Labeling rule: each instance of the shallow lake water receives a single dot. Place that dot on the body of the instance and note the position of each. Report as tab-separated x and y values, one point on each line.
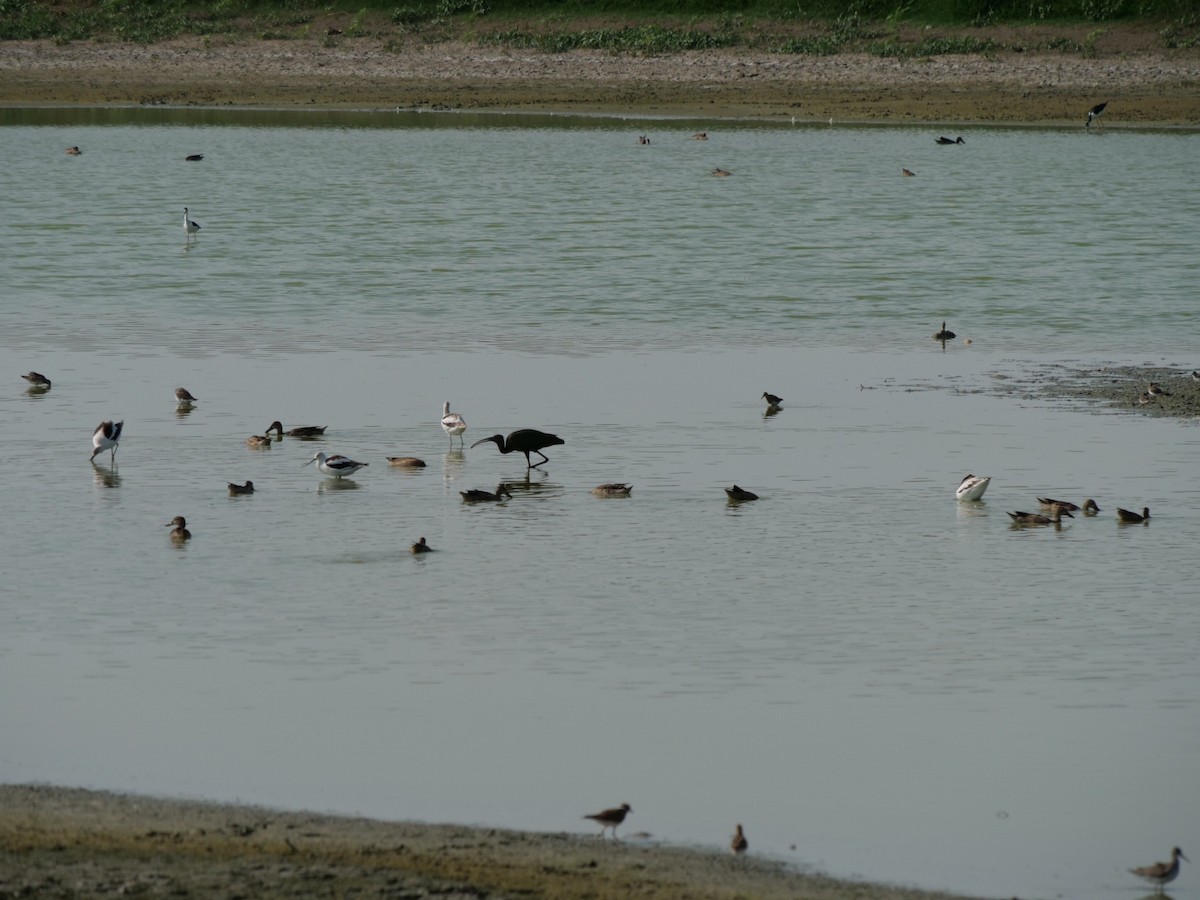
877	681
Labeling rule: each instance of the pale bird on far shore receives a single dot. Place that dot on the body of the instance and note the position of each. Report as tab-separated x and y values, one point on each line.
1162	873
738	844
611	818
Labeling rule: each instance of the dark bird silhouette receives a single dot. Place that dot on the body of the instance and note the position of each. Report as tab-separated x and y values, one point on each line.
1126	516
194	157
946	140
478	496
611	818
421	547
300	431
106	437
37	379
771	399
1024	518
945	334
236	489
1095	113
739	495
738	844
524	440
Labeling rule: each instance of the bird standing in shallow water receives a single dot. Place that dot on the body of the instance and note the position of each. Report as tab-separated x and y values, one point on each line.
1094	114
179	532
1162	873
945	334
37	379
739	845
183	395
105	437
189	227
452	423
238	489
611	818
1133	518
524	440
421	547
338	466
772	400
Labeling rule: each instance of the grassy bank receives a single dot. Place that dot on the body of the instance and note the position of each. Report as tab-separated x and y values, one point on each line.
912	28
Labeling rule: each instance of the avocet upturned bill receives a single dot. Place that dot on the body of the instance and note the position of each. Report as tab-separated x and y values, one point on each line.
105	437
336	465
972	487
453	423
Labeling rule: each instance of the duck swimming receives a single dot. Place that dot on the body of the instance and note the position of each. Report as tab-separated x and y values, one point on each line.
300	431
613	489
1069	507
739	495
421	547
179	532
1024	518
945	334
238	489
1125	515
478	496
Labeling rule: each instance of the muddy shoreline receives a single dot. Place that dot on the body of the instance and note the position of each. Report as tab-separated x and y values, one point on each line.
65	842
1144	87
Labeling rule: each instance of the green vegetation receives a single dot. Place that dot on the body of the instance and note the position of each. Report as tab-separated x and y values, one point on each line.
882	27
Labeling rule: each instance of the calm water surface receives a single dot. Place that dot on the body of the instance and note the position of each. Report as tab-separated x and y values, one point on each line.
877	681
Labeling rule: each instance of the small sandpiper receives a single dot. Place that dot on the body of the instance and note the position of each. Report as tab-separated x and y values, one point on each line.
611	818
1162	873
37	379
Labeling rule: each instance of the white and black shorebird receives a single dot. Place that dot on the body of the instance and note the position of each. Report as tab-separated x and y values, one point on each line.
189	227
105	437
338	466
1161	873
611	818
1095	113
453	423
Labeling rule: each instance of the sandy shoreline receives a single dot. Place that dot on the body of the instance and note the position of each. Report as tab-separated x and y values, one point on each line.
1143	86
66	842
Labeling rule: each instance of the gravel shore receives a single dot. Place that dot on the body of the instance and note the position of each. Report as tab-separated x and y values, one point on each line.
64	842
1143	85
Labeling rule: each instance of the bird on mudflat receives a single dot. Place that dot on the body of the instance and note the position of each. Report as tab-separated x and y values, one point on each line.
37	379
1195	375
1024	518
477	496
972	487
300	431
524	440
179	532
421	547
739	495
183	395
1094	114
238	489
452	423
738	844
337	465
945	334
1162	873
1133	518
611	818
189	227
946	140
105	437
771	399
1155	390
613	489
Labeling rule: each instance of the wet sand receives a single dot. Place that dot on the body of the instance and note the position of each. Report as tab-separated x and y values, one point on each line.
1143	83
64	842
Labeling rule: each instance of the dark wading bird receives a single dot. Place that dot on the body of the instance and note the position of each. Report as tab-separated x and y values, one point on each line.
37	379
477	496
1162	873
771	399
1094	114
611	818
524	440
